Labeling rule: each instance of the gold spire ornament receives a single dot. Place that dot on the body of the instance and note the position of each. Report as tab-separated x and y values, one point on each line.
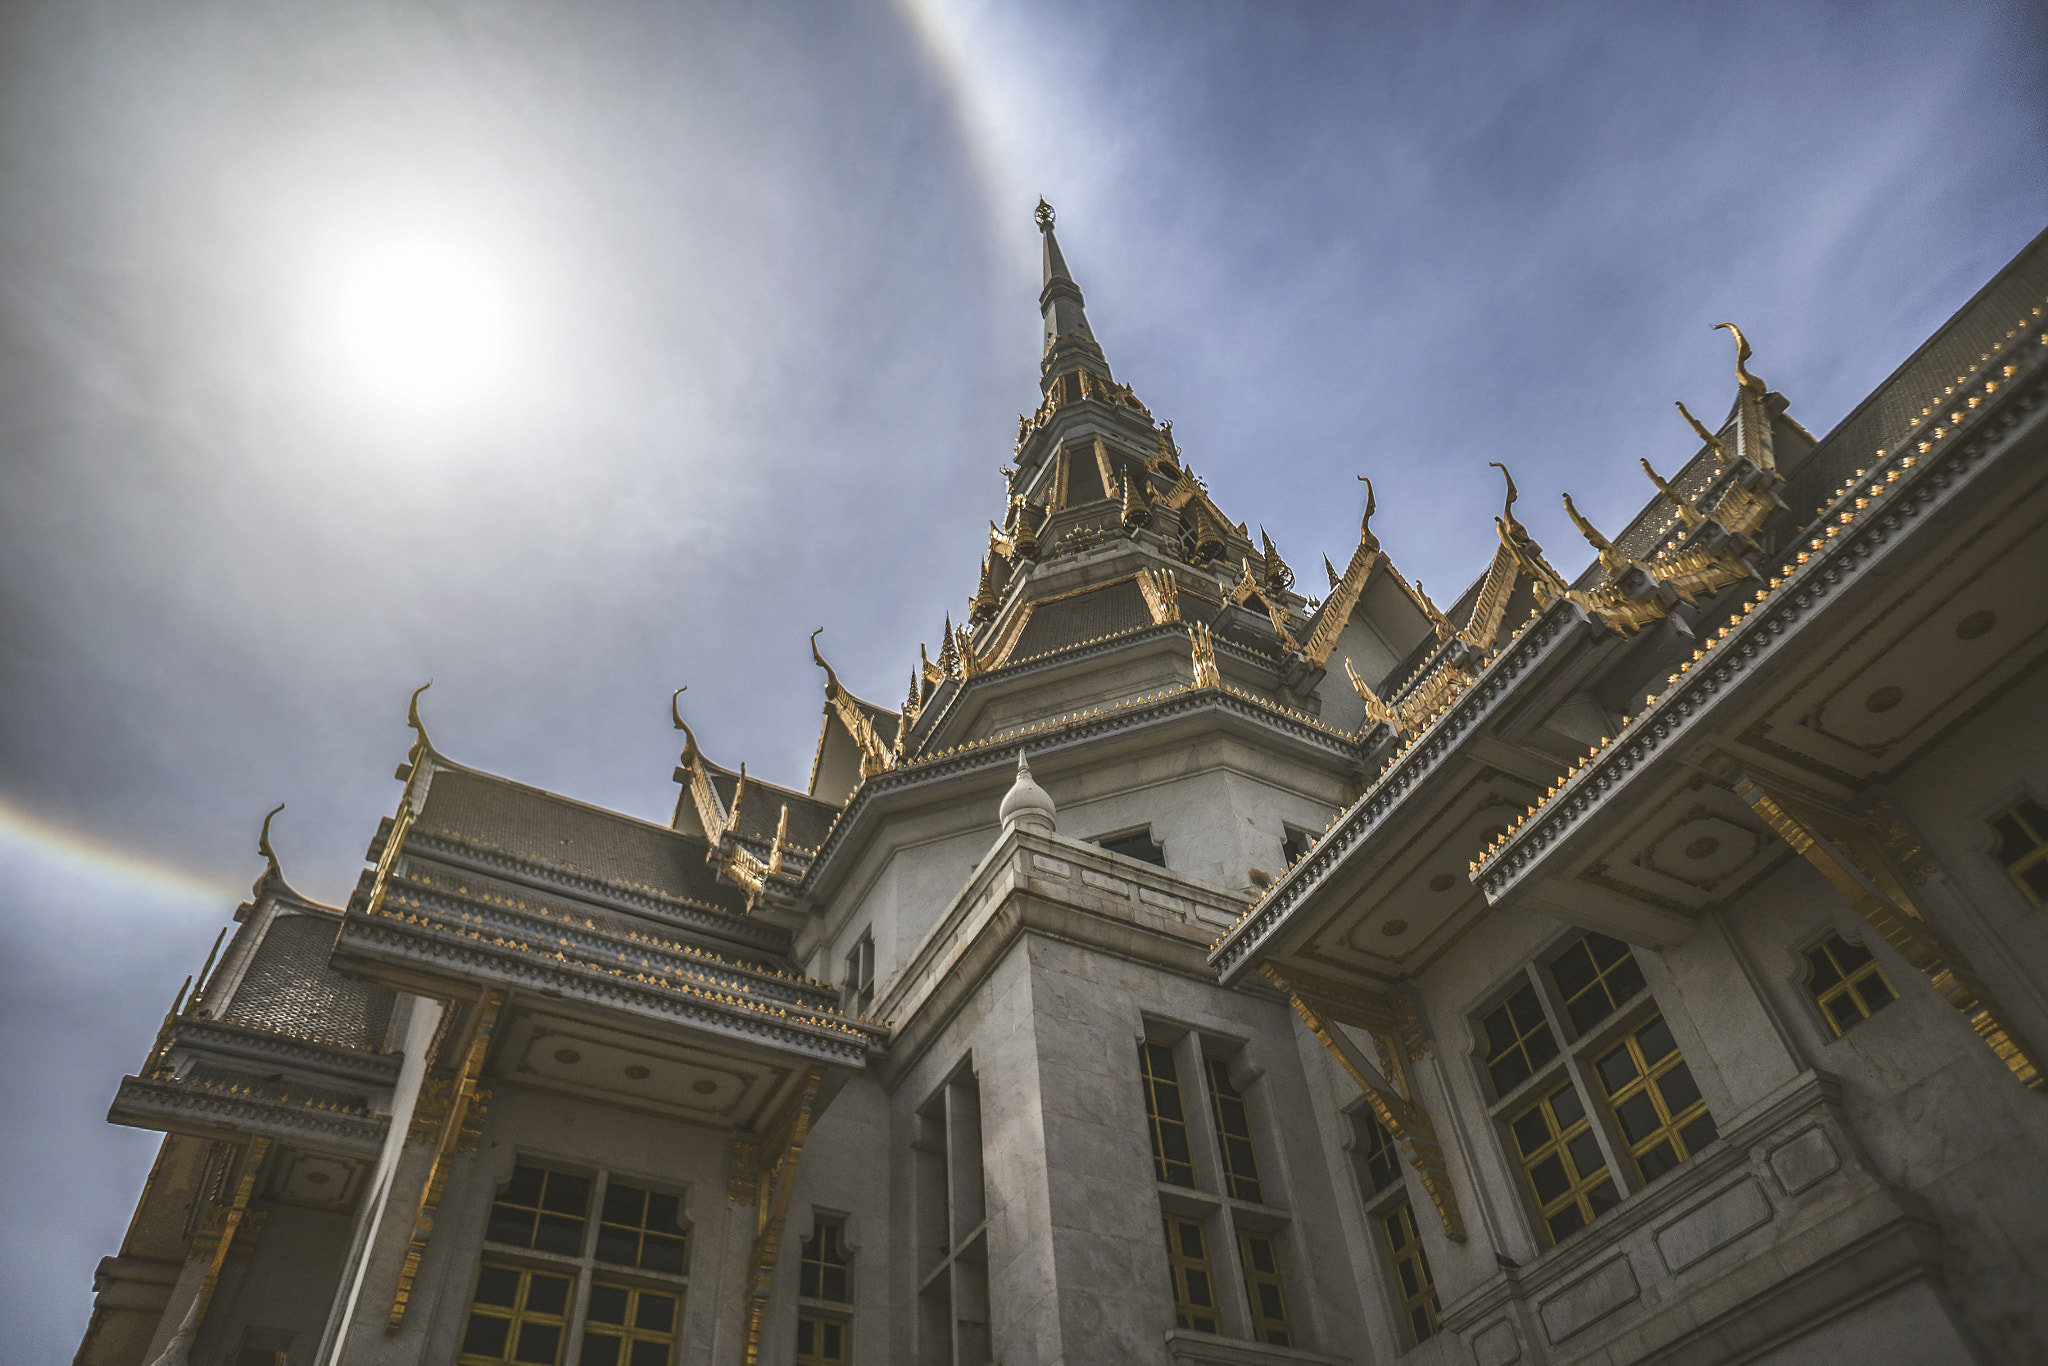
1136	510
1161	593
1204	654
1279	577
984	603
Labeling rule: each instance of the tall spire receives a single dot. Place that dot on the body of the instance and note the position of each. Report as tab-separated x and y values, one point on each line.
1069	344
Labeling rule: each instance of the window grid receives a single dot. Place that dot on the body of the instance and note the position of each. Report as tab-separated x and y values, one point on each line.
625	1325
527	1315
2022	851
1262	1288
826	1271
1846	983
1172	1156
1234	1136
860	974
1379	1161
1660	1110
1518	1040
541	1209
1413	1285
1596	976
516	1314
821	1341
1194	1285
642	1228
1562	1162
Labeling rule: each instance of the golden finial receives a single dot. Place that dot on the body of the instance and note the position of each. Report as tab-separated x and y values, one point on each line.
1044	215
412	715
1331	570
831	679
1685	509
1507	512
1136	509
1721	452
263	838
1742	355
1611	559
1365	523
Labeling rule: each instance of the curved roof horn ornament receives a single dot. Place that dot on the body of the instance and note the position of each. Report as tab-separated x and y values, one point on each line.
1742	355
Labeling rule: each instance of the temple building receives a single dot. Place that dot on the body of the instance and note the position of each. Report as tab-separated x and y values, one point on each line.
1198	966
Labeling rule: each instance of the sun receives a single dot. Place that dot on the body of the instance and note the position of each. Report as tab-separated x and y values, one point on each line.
421	326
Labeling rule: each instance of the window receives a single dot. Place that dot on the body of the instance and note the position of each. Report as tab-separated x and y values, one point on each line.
1296	844
629	1326
860	974
1577	1164
1518	1041
1655	1099
1137	844
1596	975
1262	1288
642	1228
827	1270
1378	1164
1172	1158
819	1341
1214	1240
1194	1287
2023	848
1413	1285
825	1277
518	1315
543	1210
1234	1135
632	1258
951	1221
1846	983
1563	1163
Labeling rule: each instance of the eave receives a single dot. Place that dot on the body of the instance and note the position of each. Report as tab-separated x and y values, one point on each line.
214	1111
1878	518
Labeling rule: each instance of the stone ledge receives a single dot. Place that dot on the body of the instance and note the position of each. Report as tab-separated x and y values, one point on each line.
1185	1347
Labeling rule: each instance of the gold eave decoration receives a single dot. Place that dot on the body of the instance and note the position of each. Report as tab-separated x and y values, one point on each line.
876	757
1391	1095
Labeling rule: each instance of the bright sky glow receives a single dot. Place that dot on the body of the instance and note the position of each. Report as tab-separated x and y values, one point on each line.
419	326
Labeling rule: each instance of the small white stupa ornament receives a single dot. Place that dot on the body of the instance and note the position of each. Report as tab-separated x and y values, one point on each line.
1026	806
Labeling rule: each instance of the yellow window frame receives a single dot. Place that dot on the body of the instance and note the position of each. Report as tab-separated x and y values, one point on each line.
2024	823
823	1340
1557	1128
630	1332
1194	1283
1263	1289
1846	982
1166	1110
517	1315
1234	1136
1414	1287
1675	1114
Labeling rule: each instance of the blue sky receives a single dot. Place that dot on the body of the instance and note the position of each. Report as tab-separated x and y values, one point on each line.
765	280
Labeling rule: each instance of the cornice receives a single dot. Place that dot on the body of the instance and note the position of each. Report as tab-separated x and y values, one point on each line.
628	949
401	938
233	1038
1535	643
163	1103
682	913
1920	476
1062	733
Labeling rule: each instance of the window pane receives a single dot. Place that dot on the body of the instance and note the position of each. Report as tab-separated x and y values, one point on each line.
600	1349
524	1187
1876	993
649	1354
1531	1132
1548	1176
1850	956
556	1234
607	1304
1585	1153
1638	1117
1678	1089
1564	1103
1565	1223
1657	1160
486	1336
617	1245
539	1343
1617	1069
497	1285
1656	1041
1573	970
662	1254
1626	980
1603	1197
1508	1073
656	1312
624	1204
510	1226
567	1194
1699	1133
1825	974
547	1294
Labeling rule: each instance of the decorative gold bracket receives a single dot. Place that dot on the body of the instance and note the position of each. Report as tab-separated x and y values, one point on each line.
1162	595
1204	656
453	1128
1394	1103
771	1190
1856	854
216	1235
